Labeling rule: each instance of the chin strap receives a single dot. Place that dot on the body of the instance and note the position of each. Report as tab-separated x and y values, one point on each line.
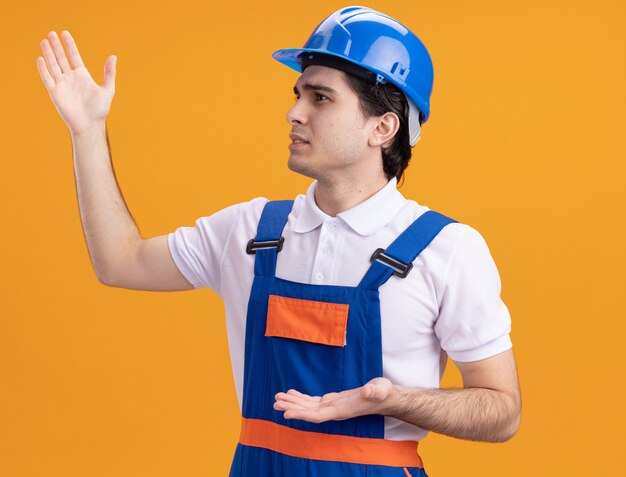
414	123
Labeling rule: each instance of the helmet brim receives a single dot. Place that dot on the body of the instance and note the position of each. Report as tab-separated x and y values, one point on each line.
291	58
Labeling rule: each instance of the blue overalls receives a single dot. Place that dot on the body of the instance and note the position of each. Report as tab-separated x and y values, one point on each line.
319	339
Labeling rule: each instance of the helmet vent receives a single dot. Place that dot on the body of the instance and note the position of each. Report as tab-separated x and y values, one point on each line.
399	70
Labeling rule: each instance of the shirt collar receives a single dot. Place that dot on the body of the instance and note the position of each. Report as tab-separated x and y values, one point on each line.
365	218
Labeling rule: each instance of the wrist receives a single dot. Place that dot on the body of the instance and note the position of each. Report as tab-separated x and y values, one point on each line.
88	131
393	402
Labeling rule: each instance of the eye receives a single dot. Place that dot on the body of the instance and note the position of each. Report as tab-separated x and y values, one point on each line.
319	96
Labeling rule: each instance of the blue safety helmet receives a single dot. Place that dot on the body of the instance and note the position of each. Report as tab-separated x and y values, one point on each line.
378	43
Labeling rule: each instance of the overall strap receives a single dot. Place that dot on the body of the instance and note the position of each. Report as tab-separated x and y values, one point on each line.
398	257
268	241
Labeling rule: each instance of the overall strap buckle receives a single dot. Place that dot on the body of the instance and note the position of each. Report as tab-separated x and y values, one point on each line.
253	245
400	269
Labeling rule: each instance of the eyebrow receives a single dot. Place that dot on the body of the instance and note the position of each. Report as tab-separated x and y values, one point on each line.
313	86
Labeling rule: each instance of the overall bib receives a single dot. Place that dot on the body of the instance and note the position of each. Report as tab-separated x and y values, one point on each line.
319	339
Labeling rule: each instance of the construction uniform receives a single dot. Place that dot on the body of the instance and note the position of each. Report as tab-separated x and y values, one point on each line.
324	337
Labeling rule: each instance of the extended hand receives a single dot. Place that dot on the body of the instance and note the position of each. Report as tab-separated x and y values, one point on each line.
78	99
368	399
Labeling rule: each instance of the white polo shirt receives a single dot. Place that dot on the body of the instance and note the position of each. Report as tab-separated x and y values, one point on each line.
450	301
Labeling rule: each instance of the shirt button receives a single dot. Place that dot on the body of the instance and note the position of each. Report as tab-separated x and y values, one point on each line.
319	277
332	226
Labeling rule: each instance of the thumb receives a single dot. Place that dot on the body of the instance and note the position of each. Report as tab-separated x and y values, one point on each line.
373	391
109	72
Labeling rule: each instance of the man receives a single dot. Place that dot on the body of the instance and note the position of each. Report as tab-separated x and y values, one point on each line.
342	305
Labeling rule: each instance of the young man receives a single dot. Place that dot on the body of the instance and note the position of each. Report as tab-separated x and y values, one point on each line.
342	305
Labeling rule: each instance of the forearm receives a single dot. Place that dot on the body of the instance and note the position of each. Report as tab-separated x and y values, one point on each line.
472	413
108	226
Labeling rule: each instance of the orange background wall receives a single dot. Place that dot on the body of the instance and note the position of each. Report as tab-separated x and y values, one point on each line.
525	143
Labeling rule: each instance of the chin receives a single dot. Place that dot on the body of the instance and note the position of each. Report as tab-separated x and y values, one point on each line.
301	167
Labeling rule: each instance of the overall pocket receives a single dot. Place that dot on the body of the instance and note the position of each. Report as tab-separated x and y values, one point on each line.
307	344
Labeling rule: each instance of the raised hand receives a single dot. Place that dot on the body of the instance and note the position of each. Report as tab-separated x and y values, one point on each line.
368	399
79	100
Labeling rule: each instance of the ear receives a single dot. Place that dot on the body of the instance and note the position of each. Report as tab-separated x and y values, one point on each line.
385	129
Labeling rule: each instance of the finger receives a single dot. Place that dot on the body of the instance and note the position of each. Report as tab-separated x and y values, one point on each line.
375	391
322	414
109	72
302	395
293	394
299	414
53	66
331	396
297	393
59	53
311	416
290	398
285	405
48	80
378	393
72	50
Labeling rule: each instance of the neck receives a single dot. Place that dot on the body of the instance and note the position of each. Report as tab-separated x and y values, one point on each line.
335	197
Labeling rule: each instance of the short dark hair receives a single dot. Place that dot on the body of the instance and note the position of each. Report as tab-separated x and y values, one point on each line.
376	100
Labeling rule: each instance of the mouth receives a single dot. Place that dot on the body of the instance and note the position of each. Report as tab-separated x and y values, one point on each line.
298	145
297	142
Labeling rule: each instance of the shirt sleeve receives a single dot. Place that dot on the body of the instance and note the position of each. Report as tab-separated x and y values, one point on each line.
473	322
197	250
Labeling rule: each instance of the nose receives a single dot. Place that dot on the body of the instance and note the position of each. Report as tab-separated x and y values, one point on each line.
296	114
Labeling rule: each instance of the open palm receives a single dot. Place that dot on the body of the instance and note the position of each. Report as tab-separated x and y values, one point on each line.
80	101
367	399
